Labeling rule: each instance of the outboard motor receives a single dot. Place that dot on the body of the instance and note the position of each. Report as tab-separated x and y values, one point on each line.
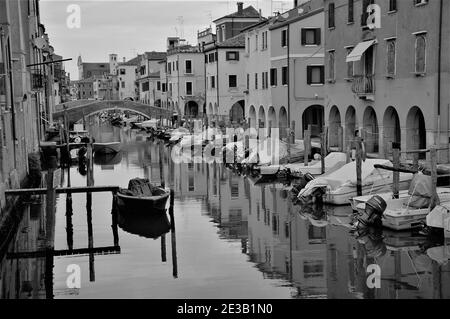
308	177
375	208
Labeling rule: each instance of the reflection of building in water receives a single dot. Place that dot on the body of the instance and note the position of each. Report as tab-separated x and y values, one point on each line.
190	180
25	278
406	272
284	245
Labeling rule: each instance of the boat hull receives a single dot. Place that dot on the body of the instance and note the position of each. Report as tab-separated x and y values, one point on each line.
142	204
106	148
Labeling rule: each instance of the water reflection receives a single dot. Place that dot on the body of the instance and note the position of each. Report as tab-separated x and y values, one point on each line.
235	239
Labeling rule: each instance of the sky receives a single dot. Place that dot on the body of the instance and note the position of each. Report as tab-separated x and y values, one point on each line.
132	27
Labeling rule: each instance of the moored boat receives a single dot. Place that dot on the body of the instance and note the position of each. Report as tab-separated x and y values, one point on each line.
142	196
106	148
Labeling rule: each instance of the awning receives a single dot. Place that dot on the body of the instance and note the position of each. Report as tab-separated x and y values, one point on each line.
359	50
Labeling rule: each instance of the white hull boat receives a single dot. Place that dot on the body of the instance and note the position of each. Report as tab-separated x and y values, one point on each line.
340	186
333	161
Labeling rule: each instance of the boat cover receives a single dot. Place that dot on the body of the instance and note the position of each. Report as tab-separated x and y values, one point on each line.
331	161
421	190
346	176
142	187
439	215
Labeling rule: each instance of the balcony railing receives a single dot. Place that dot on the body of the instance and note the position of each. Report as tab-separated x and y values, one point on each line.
363	84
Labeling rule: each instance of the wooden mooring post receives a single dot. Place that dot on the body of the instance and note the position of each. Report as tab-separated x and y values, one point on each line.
434	177
396	173
307	145
358	166
172	233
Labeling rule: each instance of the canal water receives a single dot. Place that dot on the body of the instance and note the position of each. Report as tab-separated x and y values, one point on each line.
232	239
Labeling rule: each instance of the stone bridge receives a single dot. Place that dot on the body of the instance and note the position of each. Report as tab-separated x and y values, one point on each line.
76	110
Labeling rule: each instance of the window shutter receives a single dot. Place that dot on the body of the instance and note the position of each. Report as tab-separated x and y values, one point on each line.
318	36
308	74
237	55
303	37
322	74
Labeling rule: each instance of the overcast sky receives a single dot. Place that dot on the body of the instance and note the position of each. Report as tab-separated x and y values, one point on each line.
131	27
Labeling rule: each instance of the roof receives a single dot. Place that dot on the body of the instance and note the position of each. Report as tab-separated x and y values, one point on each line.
132	62
234	42
264	21
248	12
301	12
154	55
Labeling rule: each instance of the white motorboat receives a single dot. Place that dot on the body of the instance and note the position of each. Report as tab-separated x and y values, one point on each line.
153	123
340	186
333	161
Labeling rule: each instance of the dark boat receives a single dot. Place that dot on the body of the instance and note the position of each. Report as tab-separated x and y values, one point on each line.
142	196
143	224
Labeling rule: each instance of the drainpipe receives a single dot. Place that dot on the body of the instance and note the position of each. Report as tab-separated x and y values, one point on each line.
206	81
288	77
439	72
217	77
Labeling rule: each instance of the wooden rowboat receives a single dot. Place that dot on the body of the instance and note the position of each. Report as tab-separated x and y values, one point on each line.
142	198
106	148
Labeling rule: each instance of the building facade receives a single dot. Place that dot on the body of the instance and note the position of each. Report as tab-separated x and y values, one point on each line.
185	78
296	75
388	83
147	72
126	77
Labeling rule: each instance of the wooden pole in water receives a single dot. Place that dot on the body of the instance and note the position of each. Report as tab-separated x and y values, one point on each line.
433	169
322	151
358	166
89	182
307	145
396	174
161	166
114	217
163	248
340	139
172	233
269	135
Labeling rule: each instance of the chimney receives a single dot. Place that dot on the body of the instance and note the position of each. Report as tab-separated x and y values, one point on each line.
240	7
295	3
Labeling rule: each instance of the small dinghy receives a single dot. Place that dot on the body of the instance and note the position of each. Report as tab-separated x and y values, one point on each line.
106	148
142	196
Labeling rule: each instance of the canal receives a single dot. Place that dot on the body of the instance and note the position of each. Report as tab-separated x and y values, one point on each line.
232	239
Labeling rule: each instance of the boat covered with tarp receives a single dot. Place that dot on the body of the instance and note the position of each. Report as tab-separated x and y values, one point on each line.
339	187
142	196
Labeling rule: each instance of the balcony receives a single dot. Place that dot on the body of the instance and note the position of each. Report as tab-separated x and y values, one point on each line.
364	85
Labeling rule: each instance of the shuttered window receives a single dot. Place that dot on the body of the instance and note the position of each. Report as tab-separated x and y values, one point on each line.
421	44
315	74
310	36
351	7
273	77
331	22
391	52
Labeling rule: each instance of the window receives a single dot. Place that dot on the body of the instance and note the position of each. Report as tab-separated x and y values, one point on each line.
248	81
421	47
263	82
392	5
256	81
235	190
350	18
122	71
177	64
170	87
331	65
365	14
256	42
311	36
163	87
206	58
315	74
188	66
391	57
284	75
216	56
284	38
223	33
188	88
211	57
350	65
158	85
123	85
232	56
273	77
218	34
263	35
331	23
213	81
145	86
232	81
248	45
267	79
